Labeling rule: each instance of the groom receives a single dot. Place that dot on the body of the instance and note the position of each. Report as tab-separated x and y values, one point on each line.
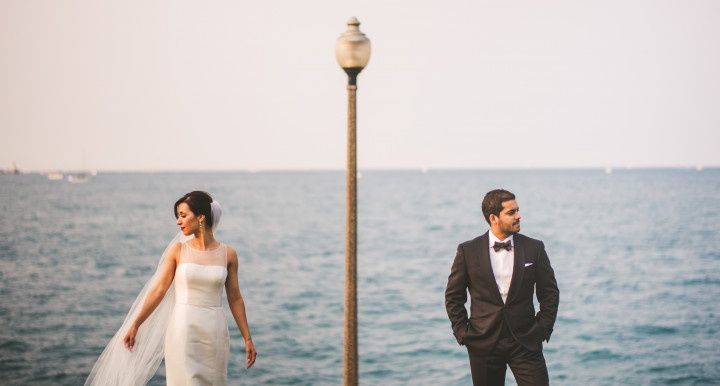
501	269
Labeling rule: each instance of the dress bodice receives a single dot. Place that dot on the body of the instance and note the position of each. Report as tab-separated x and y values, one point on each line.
200	276
197	341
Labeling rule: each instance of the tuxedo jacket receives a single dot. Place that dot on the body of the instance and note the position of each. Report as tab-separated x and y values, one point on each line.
472	272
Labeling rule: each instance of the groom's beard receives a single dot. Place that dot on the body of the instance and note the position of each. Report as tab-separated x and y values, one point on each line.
512	229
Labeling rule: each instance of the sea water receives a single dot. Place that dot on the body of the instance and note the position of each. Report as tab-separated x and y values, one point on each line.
636	255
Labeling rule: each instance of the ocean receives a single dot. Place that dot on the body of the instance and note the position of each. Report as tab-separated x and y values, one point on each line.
636	254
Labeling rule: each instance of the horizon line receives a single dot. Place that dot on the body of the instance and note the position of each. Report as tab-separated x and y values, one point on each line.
370	169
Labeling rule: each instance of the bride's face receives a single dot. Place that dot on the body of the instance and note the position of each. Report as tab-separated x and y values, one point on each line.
187	221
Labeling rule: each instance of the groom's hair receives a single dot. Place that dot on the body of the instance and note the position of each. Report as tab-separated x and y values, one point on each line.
492	203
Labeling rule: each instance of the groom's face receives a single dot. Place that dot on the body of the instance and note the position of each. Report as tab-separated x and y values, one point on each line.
509	219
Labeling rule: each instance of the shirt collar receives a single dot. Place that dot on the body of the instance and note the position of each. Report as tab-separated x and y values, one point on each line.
493	239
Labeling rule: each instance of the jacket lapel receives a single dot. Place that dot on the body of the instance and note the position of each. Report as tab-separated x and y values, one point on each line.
518	266
486	267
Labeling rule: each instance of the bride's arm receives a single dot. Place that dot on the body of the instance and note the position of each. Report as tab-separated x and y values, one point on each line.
237	306
155	295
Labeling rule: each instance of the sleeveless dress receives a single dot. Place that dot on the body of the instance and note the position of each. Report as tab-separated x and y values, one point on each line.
197	339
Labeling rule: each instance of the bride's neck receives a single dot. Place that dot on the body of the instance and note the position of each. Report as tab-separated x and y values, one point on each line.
203	239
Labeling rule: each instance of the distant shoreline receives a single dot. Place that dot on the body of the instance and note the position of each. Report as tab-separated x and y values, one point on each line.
421	170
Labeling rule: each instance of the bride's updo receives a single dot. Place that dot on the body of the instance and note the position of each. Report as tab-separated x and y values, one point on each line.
199	203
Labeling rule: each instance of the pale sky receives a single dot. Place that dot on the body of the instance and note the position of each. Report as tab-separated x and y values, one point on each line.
237	85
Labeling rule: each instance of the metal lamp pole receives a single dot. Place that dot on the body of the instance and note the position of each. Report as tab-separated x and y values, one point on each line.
352	50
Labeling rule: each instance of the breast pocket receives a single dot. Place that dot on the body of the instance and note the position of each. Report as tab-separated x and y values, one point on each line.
529	272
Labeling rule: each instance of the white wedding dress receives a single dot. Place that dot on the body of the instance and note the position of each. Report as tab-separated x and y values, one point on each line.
188	327
197	339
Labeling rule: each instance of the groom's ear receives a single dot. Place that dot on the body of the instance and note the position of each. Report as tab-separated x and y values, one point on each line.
493	218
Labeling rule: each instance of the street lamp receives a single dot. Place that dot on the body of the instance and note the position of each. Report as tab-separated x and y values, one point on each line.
352	50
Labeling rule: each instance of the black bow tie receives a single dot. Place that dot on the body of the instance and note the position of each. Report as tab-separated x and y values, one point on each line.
506	245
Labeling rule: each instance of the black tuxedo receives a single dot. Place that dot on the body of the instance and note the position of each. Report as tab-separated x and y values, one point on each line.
489	316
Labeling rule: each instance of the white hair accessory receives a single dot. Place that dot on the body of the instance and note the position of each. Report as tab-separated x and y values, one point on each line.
216	210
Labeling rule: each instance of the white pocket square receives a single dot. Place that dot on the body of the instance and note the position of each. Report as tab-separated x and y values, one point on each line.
528	264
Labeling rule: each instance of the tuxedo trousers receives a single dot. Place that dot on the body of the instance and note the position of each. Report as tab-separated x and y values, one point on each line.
528	367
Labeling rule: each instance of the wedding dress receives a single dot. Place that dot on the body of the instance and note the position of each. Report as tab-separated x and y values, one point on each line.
191	333
197	339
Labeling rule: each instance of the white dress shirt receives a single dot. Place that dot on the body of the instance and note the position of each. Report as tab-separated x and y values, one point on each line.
502	263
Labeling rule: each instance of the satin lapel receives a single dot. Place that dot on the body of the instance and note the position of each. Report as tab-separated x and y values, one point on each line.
518	266
486	266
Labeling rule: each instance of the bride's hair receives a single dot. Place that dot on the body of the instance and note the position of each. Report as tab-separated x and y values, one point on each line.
199	203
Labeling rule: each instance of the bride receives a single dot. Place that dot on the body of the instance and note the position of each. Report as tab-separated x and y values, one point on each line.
179	313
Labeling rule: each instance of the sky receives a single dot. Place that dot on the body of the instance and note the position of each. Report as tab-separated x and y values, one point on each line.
254	85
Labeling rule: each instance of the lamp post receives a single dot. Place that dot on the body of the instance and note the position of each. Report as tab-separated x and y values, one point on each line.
352	50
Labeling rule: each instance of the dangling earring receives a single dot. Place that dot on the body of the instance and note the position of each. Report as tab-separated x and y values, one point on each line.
202	225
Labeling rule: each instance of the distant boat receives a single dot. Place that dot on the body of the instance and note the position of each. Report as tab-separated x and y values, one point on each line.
423	170
699	168
608	170
55	176
83	176
15	170
79	178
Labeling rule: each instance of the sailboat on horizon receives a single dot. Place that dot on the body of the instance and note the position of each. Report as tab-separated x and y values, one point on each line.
83	176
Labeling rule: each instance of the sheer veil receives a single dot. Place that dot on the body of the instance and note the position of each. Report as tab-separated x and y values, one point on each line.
117	365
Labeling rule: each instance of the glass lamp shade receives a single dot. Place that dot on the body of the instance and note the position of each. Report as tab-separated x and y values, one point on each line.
352	48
